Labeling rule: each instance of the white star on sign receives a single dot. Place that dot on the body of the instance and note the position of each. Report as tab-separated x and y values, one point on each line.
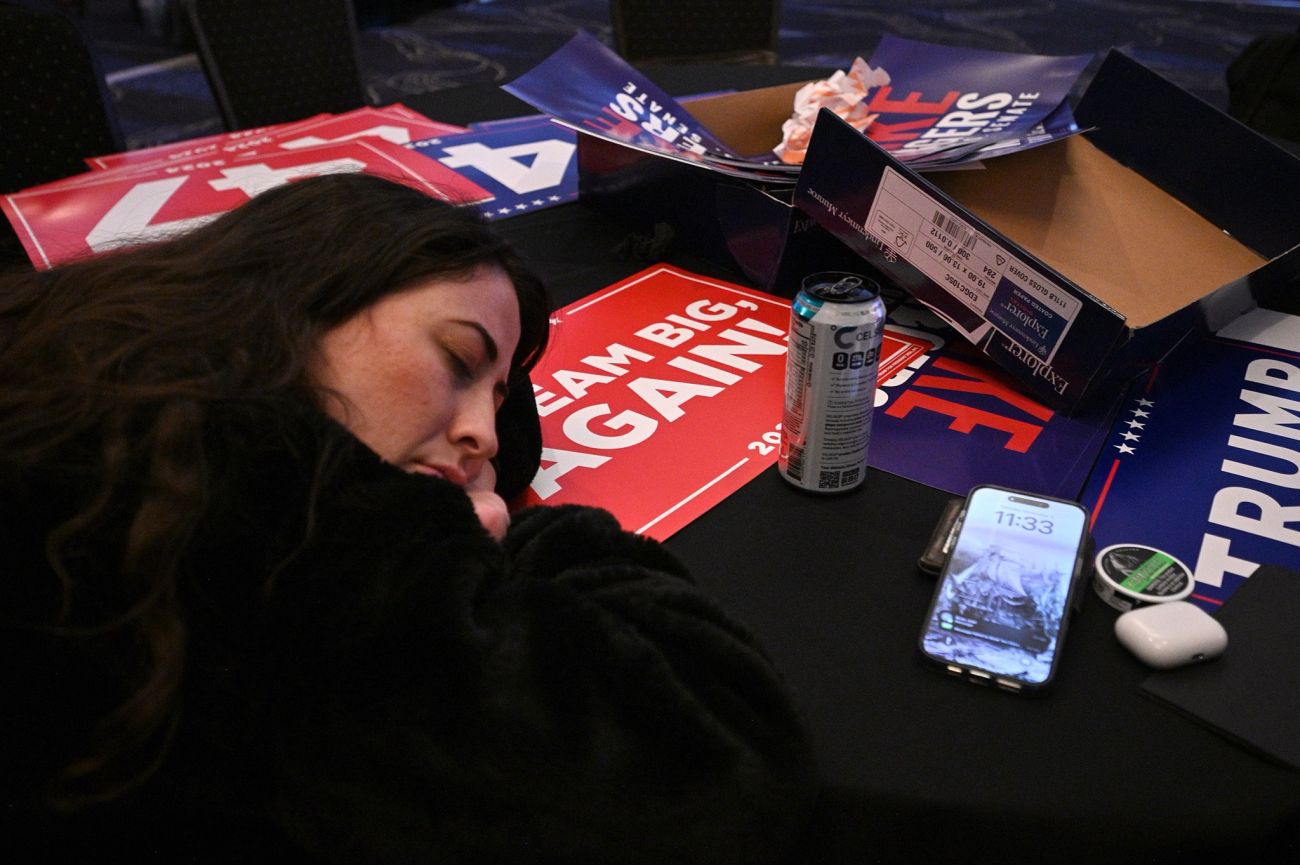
1124	449
1131	436
1136	424
1137	412
1145	402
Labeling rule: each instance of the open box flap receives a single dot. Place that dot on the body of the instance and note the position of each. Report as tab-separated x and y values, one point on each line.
1104	227
1235	178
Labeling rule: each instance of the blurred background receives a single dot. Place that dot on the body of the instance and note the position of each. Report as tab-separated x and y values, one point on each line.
421	46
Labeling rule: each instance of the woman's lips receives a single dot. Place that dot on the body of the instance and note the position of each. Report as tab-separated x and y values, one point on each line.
445	472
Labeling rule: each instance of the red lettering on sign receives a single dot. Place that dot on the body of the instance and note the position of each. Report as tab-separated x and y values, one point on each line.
908	130
974	380
965	418
981	381
882	104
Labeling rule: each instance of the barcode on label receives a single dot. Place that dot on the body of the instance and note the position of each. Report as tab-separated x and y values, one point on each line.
952	227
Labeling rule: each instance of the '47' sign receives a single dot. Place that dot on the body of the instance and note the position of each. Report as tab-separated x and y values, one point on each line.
61	221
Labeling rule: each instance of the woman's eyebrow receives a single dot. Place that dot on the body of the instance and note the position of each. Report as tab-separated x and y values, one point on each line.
488	342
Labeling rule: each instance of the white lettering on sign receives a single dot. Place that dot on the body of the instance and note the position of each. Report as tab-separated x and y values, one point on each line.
634	105
1253	511
130	219
598	427
577	382
577	427
666	396
521	168
556	463
252	180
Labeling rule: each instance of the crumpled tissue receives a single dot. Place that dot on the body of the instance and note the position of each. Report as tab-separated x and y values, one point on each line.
844	93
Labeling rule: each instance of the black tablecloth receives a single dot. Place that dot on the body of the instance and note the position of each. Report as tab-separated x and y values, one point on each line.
919	766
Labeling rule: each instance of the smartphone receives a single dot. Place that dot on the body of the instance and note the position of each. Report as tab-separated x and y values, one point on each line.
1007	586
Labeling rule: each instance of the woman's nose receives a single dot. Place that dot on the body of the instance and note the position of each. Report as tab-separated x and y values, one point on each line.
475	426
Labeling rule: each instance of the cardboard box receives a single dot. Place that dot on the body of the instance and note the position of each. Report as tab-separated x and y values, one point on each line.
1105	249
1077	264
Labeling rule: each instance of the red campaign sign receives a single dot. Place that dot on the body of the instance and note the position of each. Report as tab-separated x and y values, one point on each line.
227	143
396	124
661	395
59	222
899	347
388	125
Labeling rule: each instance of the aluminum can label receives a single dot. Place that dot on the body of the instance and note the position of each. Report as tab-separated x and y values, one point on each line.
836	323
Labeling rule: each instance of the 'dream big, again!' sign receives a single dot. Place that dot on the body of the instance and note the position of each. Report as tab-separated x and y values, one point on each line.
659	396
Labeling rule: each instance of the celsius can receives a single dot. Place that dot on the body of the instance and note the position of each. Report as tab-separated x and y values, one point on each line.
836	323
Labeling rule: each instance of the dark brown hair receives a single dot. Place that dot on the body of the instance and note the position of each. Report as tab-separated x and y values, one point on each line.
117	358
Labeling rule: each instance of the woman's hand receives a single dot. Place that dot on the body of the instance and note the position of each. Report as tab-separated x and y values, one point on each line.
490	507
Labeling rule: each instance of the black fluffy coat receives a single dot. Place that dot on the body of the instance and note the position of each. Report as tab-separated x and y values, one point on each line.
371	678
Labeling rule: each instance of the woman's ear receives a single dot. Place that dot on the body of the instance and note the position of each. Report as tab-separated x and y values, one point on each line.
519	438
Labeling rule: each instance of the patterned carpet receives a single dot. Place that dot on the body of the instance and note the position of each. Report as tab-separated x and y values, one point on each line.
161	94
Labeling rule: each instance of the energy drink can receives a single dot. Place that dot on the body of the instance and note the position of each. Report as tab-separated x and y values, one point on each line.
836	323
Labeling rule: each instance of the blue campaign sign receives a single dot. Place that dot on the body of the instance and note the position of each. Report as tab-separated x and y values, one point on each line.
1203	463
527	163
952	420
940	97
589	86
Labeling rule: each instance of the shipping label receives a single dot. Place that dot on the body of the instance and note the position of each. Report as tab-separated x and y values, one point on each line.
1027	307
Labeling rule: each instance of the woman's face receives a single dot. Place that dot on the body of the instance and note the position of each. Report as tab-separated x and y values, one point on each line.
422	372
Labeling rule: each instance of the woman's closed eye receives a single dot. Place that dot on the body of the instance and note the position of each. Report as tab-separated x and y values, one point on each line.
468	365
470	349
463	367
473	356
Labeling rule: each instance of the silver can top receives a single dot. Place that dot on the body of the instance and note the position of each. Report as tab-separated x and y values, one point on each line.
835	286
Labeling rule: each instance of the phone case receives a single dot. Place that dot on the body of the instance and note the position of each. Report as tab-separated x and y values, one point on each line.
941	540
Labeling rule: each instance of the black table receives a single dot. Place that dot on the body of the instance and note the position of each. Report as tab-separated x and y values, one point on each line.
918	766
